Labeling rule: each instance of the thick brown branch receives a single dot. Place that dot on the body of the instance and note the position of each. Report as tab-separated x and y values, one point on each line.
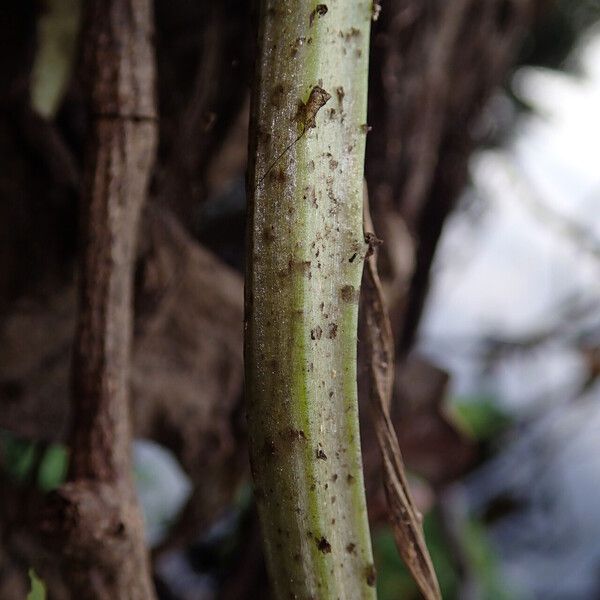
95	518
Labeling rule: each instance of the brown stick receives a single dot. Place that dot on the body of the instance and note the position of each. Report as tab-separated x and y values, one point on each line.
95	517
404	517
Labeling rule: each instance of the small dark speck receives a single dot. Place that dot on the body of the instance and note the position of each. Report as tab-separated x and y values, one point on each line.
349	294
277	175
323	545
370	575
321	454
320	9
350	548
351	259
120	528
297	434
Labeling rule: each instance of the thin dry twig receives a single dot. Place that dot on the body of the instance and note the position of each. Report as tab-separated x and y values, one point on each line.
404	517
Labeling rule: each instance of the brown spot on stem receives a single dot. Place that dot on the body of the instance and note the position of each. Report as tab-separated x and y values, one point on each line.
307	112
323	545
349	294
297	434
269	234
277	95
353	32
320	9
370	575
278	175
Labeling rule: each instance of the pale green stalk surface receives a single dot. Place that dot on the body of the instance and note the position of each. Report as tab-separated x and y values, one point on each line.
306	253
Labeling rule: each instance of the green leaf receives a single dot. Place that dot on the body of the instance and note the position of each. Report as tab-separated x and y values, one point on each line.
18	456
53	468
58	27
479	417
38	589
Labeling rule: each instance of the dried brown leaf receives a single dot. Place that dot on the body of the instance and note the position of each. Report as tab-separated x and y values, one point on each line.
404	517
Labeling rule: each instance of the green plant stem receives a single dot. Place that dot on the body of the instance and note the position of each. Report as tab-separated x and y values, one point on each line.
305	258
